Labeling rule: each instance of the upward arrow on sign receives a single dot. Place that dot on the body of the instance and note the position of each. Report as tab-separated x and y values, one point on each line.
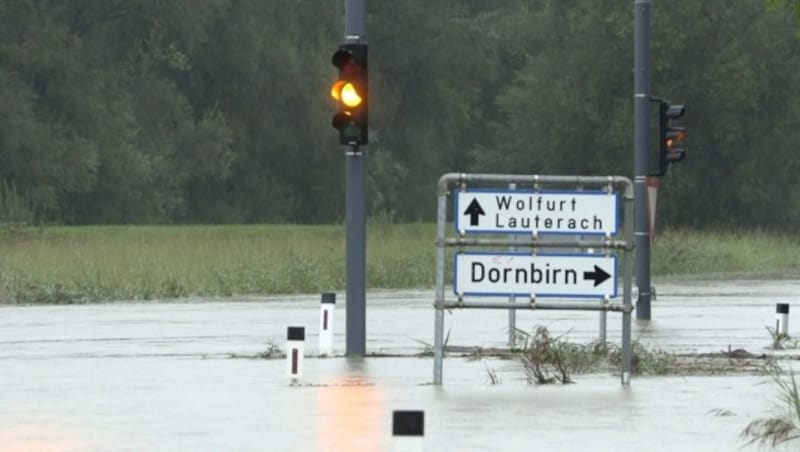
474	210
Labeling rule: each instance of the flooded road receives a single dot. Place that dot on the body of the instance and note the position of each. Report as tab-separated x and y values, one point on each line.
160	376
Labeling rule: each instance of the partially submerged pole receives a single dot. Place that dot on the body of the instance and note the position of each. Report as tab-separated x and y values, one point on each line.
782	319
327	306
408	430
295	347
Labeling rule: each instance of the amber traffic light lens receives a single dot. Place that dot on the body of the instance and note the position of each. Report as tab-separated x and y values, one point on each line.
346	93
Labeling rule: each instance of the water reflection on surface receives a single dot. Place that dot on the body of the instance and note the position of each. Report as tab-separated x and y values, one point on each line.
159	376
40	432
349	410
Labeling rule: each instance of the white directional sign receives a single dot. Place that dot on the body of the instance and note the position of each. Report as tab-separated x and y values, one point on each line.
541	275
527	211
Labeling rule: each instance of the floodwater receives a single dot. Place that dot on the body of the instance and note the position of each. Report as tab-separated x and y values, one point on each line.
161	376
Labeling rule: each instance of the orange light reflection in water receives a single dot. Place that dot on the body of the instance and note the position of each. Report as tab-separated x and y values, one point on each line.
39	437
351	413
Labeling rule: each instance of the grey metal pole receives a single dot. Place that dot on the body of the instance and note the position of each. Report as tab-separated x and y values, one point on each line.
512	313
438	323
603	323
626	292
355	26
355	210
641	94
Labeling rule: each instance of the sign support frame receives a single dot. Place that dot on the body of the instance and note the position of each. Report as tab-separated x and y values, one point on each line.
624	242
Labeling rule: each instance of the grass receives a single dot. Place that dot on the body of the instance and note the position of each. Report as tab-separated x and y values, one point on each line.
782	341
86	264
547	359
784	426
101	263
689	254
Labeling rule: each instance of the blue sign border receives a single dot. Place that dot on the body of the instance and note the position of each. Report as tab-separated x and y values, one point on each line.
515	253
458	216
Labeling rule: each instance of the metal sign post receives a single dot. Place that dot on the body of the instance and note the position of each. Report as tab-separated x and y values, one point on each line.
512	313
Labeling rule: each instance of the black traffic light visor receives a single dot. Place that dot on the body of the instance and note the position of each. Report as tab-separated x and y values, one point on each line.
675	111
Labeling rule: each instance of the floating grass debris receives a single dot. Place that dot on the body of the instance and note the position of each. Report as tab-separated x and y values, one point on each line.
549	359
494	379
782	341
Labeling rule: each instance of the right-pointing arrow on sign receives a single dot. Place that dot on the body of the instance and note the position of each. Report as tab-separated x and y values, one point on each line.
598	275
474	209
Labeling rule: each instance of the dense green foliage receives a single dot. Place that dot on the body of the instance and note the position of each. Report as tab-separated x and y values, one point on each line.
216	111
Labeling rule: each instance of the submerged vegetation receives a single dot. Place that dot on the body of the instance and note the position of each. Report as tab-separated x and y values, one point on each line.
103	263
784	426
547	359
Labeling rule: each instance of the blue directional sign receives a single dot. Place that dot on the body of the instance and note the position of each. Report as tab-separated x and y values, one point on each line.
541	212
540	275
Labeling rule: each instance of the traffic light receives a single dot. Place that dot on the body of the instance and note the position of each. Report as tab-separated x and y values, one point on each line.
350	93
670	137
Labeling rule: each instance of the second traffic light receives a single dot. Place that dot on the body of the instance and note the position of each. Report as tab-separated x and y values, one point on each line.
671	147
350	93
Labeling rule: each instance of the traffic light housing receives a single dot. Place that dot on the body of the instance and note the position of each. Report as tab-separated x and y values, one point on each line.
671	137
350	93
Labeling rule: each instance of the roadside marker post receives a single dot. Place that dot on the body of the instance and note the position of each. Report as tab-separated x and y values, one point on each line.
782	319
408	430
295	347
327	306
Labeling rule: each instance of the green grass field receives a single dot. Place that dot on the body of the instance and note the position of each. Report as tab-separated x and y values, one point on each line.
101	263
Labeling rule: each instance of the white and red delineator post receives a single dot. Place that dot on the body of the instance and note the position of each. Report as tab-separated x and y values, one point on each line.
327	307
408	430
295	347
782	319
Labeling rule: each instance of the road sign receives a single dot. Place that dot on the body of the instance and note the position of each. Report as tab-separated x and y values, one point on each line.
528	211
540	275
